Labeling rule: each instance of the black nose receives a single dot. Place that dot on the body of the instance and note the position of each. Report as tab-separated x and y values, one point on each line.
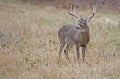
77	27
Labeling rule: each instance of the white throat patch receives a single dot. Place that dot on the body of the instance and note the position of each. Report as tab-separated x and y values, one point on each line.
82	30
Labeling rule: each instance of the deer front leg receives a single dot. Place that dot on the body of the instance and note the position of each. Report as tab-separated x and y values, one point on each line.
83	52
77	51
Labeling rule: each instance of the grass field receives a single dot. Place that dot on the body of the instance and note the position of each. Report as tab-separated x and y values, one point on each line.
29	44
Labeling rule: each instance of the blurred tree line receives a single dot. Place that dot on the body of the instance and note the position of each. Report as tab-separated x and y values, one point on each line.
65	3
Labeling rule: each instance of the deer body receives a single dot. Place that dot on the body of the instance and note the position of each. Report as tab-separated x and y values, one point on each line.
77	35
72	35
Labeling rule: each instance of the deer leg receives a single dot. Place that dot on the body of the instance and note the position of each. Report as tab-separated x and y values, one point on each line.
61	48
77	51
83	52
66	51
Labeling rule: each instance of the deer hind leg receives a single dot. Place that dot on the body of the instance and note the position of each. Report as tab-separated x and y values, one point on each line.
61	48
67	48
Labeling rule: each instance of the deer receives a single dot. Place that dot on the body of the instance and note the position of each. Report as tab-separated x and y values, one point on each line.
75	35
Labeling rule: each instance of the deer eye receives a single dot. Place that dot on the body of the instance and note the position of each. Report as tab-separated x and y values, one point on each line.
81	24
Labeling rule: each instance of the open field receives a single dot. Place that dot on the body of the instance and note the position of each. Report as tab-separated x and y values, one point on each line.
29	44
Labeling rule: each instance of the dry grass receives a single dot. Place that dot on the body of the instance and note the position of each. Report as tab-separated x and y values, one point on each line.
29	44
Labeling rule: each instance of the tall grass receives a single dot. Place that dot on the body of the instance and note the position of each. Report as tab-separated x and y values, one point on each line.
29	44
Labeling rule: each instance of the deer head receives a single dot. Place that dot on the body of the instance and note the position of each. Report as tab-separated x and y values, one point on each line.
82	21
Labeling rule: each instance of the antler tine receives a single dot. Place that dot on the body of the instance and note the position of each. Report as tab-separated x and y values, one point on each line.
94	8
74	9
93	11
73	12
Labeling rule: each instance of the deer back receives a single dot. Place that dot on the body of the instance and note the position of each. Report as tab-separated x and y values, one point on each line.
72	35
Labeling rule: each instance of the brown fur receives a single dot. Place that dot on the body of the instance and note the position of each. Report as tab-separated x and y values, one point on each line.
70	35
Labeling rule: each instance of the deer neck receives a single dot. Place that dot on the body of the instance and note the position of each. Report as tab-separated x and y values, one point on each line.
83	30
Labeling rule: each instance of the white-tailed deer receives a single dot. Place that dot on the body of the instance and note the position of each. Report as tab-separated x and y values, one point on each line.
77	35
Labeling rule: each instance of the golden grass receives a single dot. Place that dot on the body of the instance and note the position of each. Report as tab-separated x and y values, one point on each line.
29	44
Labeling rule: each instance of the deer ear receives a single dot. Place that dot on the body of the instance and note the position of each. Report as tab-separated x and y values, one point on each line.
88	20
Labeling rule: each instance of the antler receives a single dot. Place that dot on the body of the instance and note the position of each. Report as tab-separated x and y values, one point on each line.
93	11
73	12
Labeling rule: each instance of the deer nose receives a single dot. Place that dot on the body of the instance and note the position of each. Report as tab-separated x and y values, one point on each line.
78	27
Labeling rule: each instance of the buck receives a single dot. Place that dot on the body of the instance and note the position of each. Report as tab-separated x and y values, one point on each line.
77	35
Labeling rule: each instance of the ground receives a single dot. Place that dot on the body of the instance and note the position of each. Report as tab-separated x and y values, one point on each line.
29	44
